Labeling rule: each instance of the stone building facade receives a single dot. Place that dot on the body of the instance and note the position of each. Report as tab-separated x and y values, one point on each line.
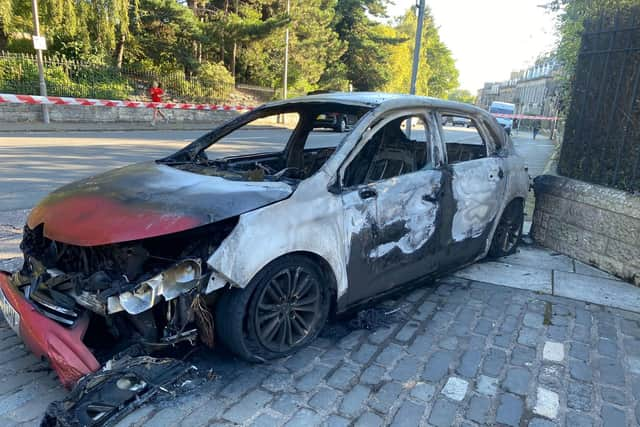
534	90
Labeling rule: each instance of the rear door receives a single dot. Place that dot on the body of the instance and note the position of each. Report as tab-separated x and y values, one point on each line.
477	186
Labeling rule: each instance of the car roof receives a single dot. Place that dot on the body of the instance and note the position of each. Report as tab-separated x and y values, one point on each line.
377	99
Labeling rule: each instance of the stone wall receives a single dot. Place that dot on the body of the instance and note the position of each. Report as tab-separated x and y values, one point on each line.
594	224
12	113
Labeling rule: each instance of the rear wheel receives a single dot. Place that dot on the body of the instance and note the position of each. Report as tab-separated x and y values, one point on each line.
282	310
509	230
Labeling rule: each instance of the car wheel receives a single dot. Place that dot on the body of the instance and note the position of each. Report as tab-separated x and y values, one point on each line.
281	310
509	230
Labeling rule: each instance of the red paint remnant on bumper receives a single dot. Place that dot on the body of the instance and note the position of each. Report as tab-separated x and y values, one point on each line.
86	220
63	347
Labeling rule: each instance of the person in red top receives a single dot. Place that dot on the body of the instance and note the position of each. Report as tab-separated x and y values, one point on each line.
156	93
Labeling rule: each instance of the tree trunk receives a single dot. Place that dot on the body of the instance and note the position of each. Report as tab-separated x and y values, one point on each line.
233	59
119	53
235	46
4	38
226	13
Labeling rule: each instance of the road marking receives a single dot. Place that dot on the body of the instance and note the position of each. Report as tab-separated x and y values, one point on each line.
553	351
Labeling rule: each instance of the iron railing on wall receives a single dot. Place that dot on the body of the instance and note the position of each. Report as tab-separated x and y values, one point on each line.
602	134
64	77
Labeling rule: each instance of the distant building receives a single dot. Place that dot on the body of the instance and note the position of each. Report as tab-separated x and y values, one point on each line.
534	91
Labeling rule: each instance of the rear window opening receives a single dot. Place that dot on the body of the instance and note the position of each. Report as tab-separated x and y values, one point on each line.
463	140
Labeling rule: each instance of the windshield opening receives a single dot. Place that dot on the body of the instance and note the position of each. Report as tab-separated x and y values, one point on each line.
289	142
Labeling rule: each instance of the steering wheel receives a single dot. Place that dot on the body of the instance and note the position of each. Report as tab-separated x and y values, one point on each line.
267	169
287	171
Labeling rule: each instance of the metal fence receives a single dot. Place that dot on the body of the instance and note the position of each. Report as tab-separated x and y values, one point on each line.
602	135
64	77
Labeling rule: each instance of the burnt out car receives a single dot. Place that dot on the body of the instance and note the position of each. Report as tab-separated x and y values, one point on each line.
255	234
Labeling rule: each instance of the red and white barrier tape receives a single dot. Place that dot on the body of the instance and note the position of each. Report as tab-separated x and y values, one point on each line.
57	100
61	100
523	116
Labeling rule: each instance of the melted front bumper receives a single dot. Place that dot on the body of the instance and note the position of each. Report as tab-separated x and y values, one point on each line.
62	346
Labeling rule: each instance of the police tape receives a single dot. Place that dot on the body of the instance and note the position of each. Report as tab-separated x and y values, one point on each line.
523	117
88	102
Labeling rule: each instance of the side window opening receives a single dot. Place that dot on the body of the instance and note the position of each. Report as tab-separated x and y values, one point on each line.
463	140
401	146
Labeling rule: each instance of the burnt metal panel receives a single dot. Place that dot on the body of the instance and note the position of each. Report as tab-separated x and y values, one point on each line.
146	200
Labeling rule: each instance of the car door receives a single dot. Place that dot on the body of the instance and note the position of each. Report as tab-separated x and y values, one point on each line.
477	185
391	196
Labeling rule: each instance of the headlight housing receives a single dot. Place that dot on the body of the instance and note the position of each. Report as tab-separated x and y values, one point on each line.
169	284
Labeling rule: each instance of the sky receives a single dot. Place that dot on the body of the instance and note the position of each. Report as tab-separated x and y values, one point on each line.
489	38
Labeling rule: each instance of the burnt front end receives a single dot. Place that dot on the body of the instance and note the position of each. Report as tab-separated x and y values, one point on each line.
79	306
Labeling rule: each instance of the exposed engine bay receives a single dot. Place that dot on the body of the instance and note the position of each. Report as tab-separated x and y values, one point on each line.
147	291
266	167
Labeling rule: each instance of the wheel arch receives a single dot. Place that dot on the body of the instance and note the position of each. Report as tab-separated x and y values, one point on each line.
518	199
325	268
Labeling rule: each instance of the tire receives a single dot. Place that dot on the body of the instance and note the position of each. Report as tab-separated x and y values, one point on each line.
509	230
256	326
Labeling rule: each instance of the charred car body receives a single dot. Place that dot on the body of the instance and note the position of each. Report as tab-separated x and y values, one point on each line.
264	245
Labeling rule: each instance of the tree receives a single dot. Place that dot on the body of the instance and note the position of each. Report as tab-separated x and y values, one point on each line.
462	95
73	27
437	73
312	42
6	18
165	35
366	63
571	25
332	44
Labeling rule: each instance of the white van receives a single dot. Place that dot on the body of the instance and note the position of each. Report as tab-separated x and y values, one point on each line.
503	108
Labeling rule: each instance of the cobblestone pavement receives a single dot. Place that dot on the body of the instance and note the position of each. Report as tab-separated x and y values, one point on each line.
456	352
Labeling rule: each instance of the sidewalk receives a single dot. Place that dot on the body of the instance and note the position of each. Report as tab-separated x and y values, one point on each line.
538	269
22	127
11	224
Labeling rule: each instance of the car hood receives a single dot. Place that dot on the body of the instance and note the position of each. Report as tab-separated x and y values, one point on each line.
146	200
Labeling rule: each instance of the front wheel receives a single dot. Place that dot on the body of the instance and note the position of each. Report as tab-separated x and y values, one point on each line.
509	230
281	311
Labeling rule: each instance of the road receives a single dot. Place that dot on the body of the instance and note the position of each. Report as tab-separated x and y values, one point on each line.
32	165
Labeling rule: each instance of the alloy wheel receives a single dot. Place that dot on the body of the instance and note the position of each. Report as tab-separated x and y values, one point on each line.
288	309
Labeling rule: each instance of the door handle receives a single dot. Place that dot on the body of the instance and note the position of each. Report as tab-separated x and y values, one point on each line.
432	198
500	173
367	193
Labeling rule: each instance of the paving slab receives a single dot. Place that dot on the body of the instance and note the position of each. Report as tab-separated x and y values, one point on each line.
507	274
539	258
597	290
589	270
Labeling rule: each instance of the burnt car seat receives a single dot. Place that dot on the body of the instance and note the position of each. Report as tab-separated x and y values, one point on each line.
396	155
